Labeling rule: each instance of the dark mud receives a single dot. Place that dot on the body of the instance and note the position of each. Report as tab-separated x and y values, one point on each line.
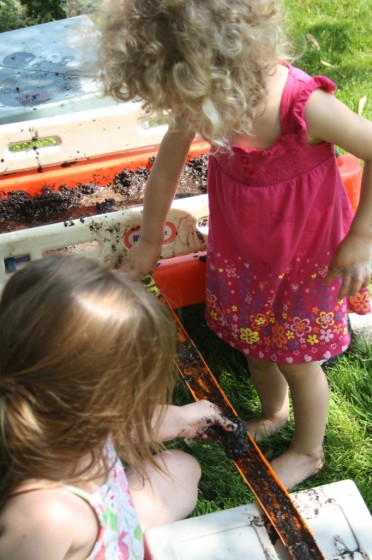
19	210
236	444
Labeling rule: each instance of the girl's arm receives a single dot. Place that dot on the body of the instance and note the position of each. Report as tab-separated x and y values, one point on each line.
159	193
189	421
331	121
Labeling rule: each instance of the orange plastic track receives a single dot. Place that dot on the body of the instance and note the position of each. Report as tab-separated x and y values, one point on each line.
252	465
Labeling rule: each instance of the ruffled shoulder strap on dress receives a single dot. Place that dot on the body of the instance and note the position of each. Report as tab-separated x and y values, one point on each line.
297	90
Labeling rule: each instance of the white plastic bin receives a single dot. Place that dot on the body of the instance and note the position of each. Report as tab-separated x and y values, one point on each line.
335	513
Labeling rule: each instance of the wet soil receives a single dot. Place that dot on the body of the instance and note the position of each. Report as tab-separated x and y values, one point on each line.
20	211
236	444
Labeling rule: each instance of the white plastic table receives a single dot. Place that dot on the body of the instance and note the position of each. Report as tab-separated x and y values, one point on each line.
49	69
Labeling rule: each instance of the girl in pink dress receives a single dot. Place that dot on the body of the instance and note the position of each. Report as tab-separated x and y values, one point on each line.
86	374
285	251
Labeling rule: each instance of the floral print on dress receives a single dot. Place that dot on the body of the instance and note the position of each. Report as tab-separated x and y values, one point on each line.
360	303
288	324
120	535
276	218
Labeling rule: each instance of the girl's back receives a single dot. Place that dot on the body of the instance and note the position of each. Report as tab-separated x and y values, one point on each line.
266	126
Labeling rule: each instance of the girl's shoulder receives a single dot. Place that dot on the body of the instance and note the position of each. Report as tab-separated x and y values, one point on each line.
298	89
300	80
266	125
46	519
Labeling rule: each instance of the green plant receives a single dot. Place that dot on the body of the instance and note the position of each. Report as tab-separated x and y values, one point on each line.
40	11
12	15
76	7
15	14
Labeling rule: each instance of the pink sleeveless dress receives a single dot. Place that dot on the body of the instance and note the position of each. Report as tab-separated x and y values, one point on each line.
276	218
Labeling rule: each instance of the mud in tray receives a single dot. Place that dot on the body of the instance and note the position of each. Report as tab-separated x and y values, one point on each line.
98	186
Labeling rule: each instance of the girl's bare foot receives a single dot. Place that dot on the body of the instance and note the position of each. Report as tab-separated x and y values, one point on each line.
293	468
261	427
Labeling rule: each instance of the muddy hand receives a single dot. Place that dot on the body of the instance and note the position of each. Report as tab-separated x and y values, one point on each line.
141	259
200	417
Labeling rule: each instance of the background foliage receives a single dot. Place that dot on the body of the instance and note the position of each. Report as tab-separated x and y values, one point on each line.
22	13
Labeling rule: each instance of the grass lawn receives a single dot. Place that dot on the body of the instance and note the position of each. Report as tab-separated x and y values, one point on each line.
333	38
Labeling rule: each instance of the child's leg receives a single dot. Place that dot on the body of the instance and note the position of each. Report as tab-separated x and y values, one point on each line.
165	497
309	391
272	390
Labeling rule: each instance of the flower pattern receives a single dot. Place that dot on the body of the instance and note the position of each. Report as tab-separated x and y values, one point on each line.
249	336
286	326
272	237
360	303
300	326
120	535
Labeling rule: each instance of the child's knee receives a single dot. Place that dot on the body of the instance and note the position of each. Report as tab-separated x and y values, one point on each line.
184	466
180	488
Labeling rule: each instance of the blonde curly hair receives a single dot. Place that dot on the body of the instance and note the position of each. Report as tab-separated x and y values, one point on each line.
205	59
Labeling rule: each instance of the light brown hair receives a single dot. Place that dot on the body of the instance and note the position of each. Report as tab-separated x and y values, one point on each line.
85	354
205	59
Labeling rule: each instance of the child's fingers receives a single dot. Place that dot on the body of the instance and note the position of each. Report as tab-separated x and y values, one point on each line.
352	282
226	423
344	289
349	287
217	418
333	273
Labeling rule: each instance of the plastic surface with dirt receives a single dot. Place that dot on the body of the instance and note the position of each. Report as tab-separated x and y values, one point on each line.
336	514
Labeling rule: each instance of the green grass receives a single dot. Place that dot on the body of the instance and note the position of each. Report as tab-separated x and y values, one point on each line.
336	32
